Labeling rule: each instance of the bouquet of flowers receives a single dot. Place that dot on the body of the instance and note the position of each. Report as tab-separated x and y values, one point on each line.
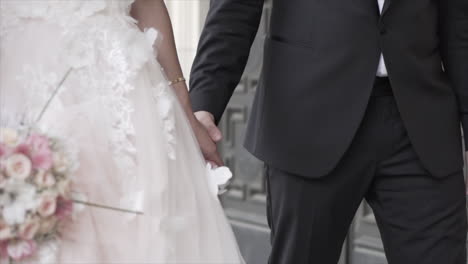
35	191
36	194
35	187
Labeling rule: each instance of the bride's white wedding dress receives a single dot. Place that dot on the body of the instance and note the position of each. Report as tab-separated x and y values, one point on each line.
136	148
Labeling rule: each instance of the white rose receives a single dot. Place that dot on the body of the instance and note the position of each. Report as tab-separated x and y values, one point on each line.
5	231
8	136
20	249
15	210
48	204
63	187
44	178
60	163
18	166
14	214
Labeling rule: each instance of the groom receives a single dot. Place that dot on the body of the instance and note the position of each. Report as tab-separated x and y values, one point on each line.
358	100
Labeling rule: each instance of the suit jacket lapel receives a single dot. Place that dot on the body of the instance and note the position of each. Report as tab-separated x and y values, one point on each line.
385	7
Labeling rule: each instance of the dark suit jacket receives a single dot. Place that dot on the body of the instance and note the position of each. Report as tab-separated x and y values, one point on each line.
318	72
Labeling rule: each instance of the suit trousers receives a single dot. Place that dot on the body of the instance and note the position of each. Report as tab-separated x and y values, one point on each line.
421	218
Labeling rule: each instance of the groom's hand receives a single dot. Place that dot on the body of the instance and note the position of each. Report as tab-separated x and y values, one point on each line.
208	134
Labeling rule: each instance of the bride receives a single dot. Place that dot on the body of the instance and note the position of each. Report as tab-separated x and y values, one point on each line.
124	105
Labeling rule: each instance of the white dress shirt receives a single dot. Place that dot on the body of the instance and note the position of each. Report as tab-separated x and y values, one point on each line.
381	69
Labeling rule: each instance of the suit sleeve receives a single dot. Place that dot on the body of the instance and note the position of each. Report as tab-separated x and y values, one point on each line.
454	44
223	50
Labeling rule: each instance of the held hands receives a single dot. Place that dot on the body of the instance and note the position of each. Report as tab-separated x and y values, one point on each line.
203	126
208	135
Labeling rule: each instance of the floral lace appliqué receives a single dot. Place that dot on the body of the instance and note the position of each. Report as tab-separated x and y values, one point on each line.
165	106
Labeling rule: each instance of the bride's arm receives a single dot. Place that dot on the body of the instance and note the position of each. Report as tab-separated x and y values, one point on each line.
153	14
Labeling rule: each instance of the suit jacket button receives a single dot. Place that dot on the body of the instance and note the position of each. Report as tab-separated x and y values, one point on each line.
383	31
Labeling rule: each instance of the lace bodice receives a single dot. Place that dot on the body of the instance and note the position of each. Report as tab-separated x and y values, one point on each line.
64	12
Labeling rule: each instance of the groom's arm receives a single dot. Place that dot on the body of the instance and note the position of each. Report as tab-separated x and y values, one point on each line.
223	50
454	43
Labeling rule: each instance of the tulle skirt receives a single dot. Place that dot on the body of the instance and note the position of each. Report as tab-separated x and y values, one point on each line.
136	149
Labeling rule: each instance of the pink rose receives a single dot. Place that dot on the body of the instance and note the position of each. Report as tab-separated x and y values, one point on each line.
21	249
44	178
5	231
38	143
48	205
3	250
18	166
39	151
29	229
4	150
42	161
64	208
23	149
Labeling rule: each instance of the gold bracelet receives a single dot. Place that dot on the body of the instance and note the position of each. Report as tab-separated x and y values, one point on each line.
178	80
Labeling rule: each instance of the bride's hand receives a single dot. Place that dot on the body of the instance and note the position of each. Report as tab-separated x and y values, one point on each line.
207	135
202	125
